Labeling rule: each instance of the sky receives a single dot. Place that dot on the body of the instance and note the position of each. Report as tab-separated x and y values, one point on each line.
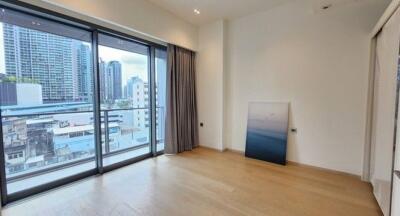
133	64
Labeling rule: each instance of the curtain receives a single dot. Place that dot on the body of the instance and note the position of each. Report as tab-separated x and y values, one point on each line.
181	131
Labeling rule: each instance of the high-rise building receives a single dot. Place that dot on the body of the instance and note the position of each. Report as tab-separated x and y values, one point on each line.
83	71
113	81
8	92
61	65
130	85
40	56
138	92
103	75
110	81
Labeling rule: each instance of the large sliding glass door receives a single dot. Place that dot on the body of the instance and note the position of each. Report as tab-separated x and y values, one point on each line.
125	98
160	83
74	102
46	99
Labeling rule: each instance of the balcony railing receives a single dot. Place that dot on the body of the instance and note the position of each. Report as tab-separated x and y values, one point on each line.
23	133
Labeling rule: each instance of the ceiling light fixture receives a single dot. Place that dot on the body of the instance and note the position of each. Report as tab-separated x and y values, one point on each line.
196	11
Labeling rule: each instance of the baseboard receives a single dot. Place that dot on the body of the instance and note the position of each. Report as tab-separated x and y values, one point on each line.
294	163
324	169
214	149
235	151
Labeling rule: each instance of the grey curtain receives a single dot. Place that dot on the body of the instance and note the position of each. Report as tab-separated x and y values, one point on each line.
181	131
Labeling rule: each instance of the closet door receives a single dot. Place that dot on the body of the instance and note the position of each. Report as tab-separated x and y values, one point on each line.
396	168
396	192
387	54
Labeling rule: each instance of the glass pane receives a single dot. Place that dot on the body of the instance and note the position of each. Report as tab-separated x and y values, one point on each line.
43	148
161	72
121	44
46	102
32	22
124	95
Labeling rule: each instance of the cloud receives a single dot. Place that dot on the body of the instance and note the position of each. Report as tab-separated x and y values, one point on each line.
135	60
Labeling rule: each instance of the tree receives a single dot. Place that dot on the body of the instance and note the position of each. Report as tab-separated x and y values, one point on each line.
14	79
124	104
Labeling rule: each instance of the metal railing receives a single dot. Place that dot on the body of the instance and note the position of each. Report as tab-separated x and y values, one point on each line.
49	166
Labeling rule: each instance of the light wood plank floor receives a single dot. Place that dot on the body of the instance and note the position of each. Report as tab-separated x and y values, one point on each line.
205	182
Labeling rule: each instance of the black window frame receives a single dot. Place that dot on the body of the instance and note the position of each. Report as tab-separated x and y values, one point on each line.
95	30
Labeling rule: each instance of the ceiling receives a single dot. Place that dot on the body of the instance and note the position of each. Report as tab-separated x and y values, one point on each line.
212	10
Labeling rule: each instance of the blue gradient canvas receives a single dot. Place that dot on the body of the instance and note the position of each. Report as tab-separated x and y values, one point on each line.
267	130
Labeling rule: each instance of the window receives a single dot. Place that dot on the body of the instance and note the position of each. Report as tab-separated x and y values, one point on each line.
46	83
124	73
160	79
52	131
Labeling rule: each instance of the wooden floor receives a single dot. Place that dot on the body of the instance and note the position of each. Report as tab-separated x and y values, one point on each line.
205	182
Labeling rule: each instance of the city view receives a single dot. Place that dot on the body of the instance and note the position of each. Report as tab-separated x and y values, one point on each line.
46	98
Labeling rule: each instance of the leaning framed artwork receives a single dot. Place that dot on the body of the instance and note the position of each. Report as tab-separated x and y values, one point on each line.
267	131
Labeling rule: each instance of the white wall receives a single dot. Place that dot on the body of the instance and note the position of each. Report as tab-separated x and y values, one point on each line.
210	74
136	17
316	60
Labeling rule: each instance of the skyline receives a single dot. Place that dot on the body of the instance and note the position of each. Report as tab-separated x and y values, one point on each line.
28	51
133	64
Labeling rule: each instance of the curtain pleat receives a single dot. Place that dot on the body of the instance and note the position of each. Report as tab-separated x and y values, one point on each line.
181	111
